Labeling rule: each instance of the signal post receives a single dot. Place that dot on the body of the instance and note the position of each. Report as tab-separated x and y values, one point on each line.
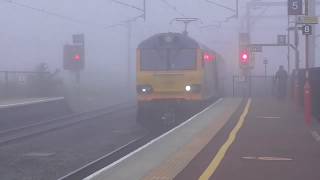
74	56
245	59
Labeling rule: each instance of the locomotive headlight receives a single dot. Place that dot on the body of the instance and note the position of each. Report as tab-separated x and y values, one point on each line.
188	88
195	88
144	89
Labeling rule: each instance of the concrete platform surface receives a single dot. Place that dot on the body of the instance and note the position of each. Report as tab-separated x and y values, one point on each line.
274	142
166	156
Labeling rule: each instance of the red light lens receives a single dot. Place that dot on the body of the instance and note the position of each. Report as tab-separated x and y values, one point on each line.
208	57
244	58
77	57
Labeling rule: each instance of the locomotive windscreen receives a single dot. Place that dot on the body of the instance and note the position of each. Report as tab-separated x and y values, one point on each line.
166	59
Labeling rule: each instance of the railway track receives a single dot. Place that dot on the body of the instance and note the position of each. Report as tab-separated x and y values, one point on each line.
23	132
114	156
108	159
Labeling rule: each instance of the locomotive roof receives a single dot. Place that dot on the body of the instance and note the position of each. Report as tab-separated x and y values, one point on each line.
176	39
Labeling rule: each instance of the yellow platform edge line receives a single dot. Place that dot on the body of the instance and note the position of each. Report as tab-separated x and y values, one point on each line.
224	148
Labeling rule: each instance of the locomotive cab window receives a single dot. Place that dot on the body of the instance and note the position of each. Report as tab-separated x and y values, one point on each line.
168	59
182	59
152	60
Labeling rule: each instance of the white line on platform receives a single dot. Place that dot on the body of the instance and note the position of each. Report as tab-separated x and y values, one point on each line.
31	102
268	117
137	139
267	158
149	143
315	135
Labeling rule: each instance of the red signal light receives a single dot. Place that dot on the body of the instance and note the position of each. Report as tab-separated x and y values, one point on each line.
244	58
208	57
77	57
73	57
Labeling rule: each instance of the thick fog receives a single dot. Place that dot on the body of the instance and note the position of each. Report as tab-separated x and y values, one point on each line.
29	36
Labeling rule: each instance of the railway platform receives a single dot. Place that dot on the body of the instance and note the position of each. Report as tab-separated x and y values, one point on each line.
10	103
259	138
24	110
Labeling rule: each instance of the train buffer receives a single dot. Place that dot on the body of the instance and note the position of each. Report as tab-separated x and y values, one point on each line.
235	138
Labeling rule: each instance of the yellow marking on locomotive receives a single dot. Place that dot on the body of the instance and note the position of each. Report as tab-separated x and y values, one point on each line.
170	84
176	96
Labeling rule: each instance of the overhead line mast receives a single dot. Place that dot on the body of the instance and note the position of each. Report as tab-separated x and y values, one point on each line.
129	32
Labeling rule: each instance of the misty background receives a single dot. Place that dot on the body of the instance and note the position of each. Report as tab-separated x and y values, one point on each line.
29	37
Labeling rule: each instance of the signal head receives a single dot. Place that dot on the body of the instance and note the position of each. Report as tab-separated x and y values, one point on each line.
244	58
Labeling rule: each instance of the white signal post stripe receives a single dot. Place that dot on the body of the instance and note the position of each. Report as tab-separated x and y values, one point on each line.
224	148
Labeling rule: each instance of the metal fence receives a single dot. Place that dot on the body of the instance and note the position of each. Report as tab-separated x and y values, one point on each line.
22	84
253	86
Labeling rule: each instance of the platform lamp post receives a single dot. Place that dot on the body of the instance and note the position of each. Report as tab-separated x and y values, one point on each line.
307	87
295	8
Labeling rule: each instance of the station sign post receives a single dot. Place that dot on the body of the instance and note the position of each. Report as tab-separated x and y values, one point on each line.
307	22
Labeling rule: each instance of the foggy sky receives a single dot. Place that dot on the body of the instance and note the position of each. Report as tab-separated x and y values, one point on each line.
28	37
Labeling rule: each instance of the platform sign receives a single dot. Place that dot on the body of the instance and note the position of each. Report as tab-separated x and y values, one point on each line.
78	39
22	79
265	61
307	20
255	48
244	39
282	39
295	7
307	29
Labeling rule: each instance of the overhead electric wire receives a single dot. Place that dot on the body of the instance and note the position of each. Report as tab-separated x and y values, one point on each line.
57	15
133	7
173	7
221	5
128	5
260	15
43	11
219	23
